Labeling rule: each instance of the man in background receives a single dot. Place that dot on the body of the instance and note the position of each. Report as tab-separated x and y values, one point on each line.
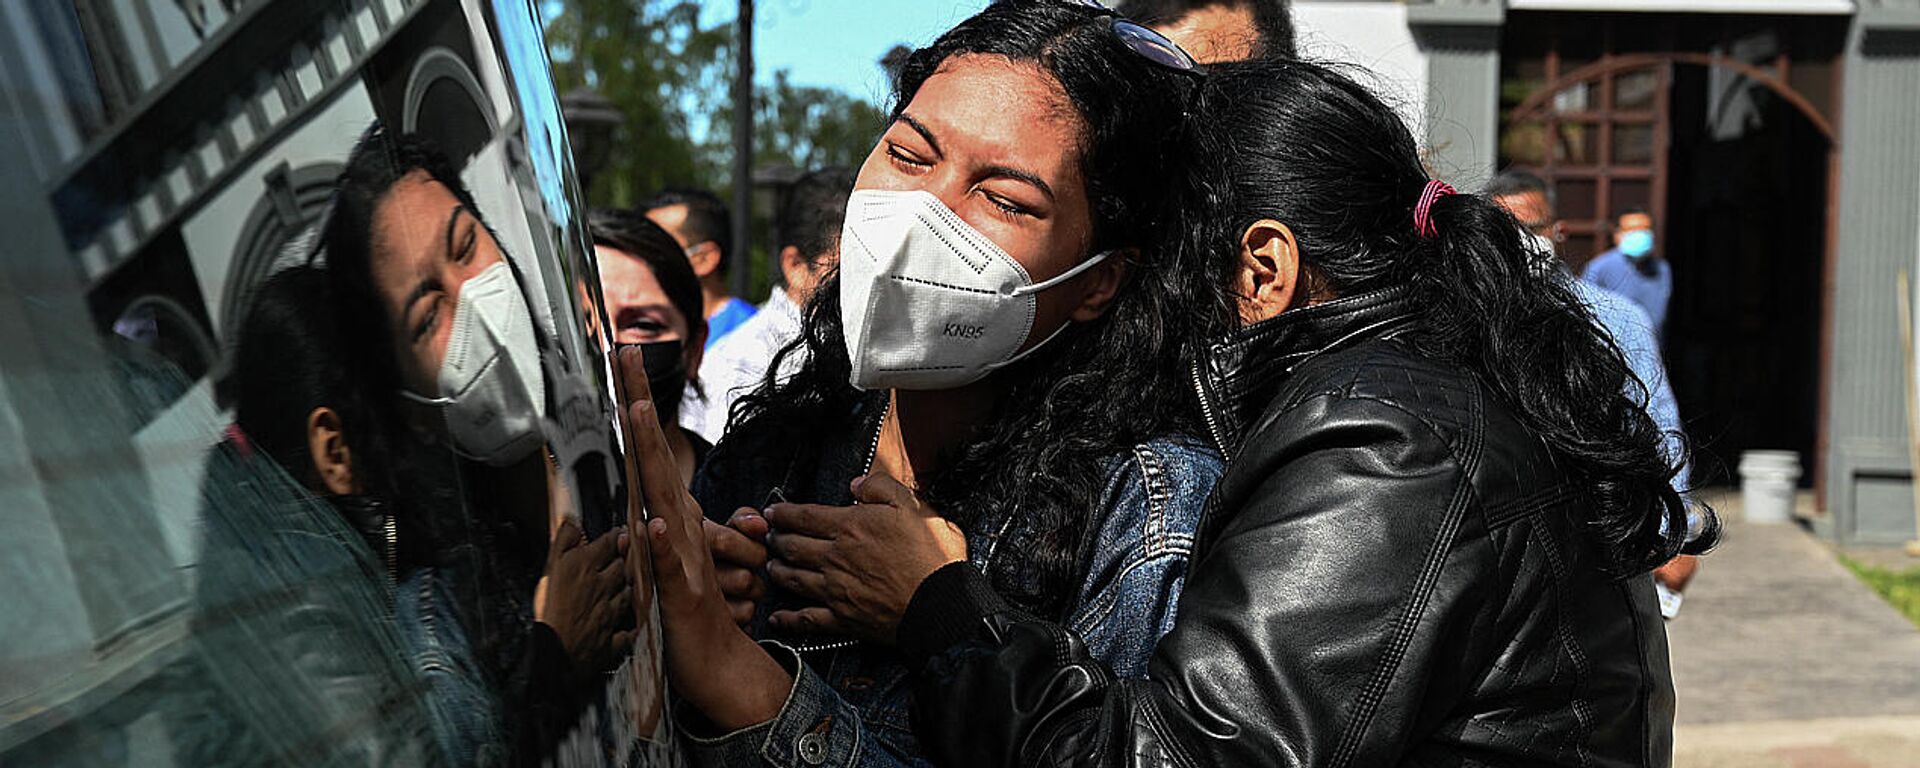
702	225
1632	269
1530	200
1219	30
809	246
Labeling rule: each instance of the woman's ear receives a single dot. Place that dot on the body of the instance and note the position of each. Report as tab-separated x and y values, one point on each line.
1103	283
695	350
794	266
1269	280
327	449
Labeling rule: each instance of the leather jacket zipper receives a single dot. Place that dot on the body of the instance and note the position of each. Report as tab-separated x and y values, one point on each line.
873	447
1213	431
1206	411
393	549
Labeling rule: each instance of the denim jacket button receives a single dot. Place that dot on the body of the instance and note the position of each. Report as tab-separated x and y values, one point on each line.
813	748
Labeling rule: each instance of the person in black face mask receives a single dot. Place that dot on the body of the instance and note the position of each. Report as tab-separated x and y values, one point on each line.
653	301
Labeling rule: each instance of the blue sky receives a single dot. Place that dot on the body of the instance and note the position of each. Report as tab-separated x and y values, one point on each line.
838	43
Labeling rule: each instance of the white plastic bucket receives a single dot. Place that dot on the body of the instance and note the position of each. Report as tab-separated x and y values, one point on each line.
1767	481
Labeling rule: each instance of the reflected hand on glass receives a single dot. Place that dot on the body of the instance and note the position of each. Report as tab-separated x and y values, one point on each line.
739	555
710	661
860	563
589	599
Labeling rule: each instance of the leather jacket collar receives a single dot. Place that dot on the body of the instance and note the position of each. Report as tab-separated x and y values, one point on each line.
1238	376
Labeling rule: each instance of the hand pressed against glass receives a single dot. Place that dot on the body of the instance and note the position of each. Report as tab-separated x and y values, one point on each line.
428	245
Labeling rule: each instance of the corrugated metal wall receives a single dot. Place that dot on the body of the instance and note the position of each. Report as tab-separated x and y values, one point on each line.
1462	41
1867	483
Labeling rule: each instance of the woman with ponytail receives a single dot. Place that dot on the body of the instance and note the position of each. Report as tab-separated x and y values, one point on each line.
1432	541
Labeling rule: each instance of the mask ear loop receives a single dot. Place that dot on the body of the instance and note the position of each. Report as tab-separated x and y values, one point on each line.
1064	276
439	403
1041	286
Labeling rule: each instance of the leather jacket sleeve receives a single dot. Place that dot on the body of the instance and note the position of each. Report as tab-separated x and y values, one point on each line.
1332	582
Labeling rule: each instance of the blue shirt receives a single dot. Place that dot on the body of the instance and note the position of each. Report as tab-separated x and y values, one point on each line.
730	316
1650	289
1633	333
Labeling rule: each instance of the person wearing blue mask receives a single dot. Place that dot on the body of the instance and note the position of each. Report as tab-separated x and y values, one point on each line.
1633	270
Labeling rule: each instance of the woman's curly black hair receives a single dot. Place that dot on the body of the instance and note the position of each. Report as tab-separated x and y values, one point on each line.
1308	146
1100	387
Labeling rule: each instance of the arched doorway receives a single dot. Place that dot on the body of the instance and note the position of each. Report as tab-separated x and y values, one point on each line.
1603	134
1734	162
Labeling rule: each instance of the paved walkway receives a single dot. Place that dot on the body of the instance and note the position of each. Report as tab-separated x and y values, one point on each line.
1782	658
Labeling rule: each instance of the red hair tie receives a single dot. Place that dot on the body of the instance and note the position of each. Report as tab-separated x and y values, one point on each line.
1423	211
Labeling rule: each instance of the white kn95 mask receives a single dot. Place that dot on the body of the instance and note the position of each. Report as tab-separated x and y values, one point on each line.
927	302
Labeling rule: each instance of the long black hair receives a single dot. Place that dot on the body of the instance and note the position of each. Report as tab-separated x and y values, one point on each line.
291	358
1306	145
1101	387
287	362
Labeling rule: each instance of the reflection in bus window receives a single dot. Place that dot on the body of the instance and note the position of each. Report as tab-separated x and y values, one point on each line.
310	453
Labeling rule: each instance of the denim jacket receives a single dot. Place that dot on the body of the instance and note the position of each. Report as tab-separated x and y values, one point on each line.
851	706
463	709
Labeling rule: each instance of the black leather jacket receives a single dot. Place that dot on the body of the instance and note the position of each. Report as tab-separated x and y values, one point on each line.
1391	573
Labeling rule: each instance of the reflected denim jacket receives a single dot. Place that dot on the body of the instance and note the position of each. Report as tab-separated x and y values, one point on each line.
463	710
852	706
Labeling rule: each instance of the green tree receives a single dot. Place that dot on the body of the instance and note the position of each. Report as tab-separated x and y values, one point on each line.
797	127
671	79
661	69
809	128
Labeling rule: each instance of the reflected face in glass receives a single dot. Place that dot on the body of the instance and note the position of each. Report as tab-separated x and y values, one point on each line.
998	142
639	308
427	244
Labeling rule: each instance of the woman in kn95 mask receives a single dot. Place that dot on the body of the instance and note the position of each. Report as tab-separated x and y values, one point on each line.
1005	348
435	314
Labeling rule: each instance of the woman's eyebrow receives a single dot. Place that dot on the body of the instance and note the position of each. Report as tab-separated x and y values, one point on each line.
1020	175
1003	171
922	130
453	219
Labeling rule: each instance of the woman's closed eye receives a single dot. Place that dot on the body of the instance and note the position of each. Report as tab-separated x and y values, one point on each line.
1006	207
906	160
467	246
430	317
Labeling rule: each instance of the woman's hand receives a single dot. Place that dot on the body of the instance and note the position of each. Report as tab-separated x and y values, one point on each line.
739	554
714	665
588	598
862	563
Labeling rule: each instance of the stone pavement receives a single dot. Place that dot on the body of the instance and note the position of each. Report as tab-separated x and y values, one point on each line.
1782	658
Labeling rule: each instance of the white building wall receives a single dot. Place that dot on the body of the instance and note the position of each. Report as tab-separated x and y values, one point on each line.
1372	34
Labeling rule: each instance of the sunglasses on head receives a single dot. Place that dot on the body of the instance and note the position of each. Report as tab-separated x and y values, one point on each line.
1143	41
